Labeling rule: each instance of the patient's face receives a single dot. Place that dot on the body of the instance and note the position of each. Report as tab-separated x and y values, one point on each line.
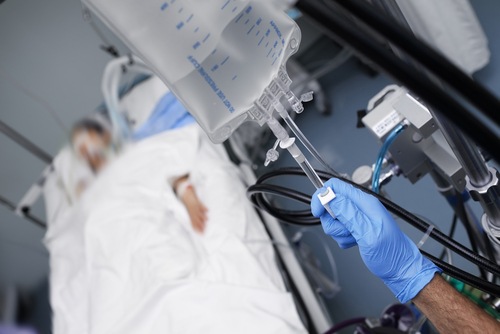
92	146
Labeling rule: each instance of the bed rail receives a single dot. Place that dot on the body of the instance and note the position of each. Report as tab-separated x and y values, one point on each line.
34	192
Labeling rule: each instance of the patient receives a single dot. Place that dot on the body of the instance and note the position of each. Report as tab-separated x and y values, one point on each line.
92	142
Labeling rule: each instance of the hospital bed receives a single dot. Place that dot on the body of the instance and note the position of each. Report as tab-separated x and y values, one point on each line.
244	168
125	250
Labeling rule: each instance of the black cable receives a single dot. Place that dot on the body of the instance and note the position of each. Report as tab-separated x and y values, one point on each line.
364	42
453	225
489	250
473	237
344	31
255	194
464	276
426	56
295	217
452	231
469	230
486	102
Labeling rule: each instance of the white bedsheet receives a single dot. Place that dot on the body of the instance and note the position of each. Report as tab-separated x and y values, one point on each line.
126	260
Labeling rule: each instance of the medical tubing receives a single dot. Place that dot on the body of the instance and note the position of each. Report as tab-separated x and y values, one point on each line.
311	174
307	144
338	60
485	238
468	279
295	217
344	32
450	235
255	194
442	238
449	256
277	129
489	250
345	324
427	56
294	102
469	230
329	255
110	89
464	276
289	143
466	151
257	198
381	154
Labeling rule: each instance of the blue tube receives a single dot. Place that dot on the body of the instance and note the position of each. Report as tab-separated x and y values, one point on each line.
381	154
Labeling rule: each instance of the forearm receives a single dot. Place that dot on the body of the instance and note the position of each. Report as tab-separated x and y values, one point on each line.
196	210
187	193
180	180
362	220
451	312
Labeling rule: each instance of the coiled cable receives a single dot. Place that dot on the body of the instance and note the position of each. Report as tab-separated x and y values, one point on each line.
256	194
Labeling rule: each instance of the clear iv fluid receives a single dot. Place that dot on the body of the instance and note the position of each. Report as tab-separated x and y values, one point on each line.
216	56
233	76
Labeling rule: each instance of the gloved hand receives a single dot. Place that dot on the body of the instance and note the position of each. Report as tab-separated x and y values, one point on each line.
384	248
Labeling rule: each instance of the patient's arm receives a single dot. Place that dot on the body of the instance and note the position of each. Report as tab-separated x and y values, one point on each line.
197	211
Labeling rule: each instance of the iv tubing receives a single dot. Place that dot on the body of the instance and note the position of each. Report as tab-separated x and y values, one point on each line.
286	142
383	151
329	255
304	217
311	174
295	129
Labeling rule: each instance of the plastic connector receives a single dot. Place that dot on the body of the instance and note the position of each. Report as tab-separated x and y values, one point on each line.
294	102
278	130
306	97
271	156
281	110
326	198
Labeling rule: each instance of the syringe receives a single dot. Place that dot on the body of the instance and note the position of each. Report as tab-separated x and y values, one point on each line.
288	143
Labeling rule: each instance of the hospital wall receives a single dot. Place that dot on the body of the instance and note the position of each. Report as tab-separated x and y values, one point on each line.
49	49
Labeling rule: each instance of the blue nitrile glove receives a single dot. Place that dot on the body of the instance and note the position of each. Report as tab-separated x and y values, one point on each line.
384	248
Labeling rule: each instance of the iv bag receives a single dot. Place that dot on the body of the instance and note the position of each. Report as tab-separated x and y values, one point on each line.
216	56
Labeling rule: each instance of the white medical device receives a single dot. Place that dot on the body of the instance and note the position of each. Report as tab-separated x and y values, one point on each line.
217	57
